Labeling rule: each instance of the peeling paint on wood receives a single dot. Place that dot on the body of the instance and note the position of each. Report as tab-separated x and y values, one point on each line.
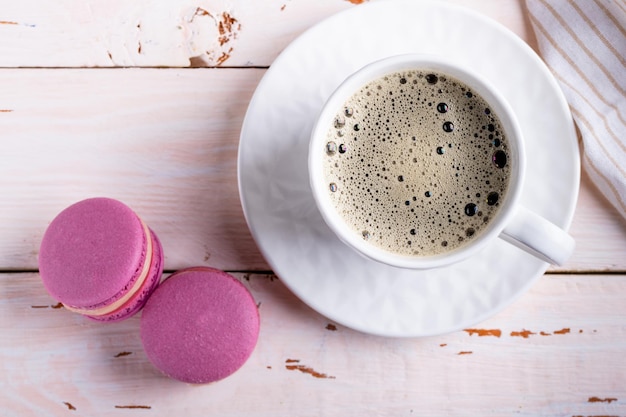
12	23
55	306
562	331
601	400
226	28
307	370
484	332
202	12
145	407
224	57
524	333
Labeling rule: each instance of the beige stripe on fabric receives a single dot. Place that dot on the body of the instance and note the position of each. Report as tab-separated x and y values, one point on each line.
579	117
600	114
599	34
569	60
584	47
617	198
608	14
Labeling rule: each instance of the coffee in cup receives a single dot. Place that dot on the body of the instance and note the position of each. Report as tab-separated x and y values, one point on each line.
416	162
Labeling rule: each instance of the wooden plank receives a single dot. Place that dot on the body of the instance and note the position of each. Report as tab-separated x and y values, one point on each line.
557	351
106	33
165	142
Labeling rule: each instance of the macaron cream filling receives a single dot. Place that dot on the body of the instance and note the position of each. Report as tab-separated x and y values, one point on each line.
137	286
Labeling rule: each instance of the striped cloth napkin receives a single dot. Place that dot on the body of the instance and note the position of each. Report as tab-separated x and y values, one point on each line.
583	43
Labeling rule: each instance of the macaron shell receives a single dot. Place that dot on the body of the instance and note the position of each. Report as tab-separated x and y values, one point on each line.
92	252
148	287
200	325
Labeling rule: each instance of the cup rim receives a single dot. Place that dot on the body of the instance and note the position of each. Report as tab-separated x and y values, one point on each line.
373	71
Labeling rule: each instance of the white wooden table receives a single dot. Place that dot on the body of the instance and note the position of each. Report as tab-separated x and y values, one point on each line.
143	101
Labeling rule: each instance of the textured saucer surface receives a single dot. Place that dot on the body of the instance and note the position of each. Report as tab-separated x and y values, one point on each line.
92	252
200	325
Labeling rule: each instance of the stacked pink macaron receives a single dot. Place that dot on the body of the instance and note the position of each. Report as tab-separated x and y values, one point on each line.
99	259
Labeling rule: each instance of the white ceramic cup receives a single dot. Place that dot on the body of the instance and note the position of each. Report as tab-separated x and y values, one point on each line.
512	222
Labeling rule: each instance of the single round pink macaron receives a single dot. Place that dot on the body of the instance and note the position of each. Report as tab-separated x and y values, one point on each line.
99	259
200	325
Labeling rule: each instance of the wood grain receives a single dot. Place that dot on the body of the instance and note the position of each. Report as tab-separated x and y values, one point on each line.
117	33
569	363
165	142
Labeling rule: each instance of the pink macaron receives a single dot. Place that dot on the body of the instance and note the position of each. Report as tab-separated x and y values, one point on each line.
99	259
200	325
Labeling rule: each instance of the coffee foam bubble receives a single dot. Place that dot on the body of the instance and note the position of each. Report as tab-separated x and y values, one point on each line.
416	163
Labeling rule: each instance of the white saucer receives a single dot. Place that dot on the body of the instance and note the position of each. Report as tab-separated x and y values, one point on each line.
279	207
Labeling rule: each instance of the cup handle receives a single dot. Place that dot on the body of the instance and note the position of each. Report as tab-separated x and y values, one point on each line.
539	237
